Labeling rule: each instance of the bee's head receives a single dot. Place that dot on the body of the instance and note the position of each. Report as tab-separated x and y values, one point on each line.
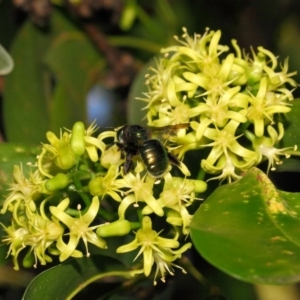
121	133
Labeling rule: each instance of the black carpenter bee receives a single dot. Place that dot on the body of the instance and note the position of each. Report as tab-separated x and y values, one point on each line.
136	140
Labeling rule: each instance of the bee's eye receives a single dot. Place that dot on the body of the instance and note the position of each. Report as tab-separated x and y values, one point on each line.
120	134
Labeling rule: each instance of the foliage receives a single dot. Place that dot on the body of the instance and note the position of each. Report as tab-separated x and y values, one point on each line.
110	211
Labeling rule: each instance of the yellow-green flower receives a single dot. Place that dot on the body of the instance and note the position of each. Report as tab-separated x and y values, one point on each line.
24	190
111	157
92	144
199	53
179	114
155	249
229	167
278	79
14	238
225	142
59	151
259	112
177	191
106	185
42	234
79	228
138	190
158	82
265	146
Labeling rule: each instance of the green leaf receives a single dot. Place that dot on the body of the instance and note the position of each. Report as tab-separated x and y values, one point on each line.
68	279
25	105
292	133
136	113
288	42
250	230
54	70
15	154
75	64
291	137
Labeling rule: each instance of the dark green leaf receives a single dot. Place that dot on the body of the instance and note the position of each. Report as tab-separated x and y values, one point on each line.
251	231
54	70
25	105
74	63
136	113
292	133
291	164
66	280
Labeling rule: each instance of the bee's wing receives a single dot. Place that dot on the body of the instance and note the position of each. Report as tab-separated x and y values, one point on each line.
163	133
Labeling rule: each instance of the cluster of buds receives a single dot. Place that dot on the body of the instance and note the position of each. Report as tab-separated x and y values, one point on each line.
225	97
77	191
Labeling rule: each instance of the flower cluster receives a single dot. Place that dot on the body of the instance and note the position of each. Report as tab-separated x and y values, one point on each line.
87	187
225	97
79	193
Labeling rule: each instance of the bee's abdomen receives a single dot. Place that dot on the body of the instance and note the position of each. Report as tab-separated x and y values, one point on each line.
155	157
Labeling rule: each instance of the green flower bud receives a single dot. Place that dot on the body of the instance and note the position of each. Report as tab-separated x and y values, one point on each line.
200	186
59	181
65	158
96	186
173	217
118	228
77	138
28	260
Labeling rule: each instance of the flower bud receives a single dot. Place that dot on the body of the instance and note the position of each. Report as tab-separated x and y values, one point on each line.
118	228
200	186
65	158
96	186
59	181
28	260
77	138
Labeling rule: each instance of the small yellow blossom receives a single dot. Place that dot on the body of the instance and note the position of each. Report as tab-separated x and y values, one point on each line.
155	249
24	190
138	190
79	228
106	185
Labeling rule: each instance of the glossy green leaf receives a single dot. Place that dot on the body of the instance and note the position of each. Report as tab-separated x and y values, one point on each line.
291	164
292	133
251	231
68	279
14	154
25	105
291	137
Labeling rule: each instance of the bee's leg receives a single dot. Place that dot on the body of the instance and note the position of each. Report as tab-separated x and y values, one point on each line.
173	159
120	148
128	162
